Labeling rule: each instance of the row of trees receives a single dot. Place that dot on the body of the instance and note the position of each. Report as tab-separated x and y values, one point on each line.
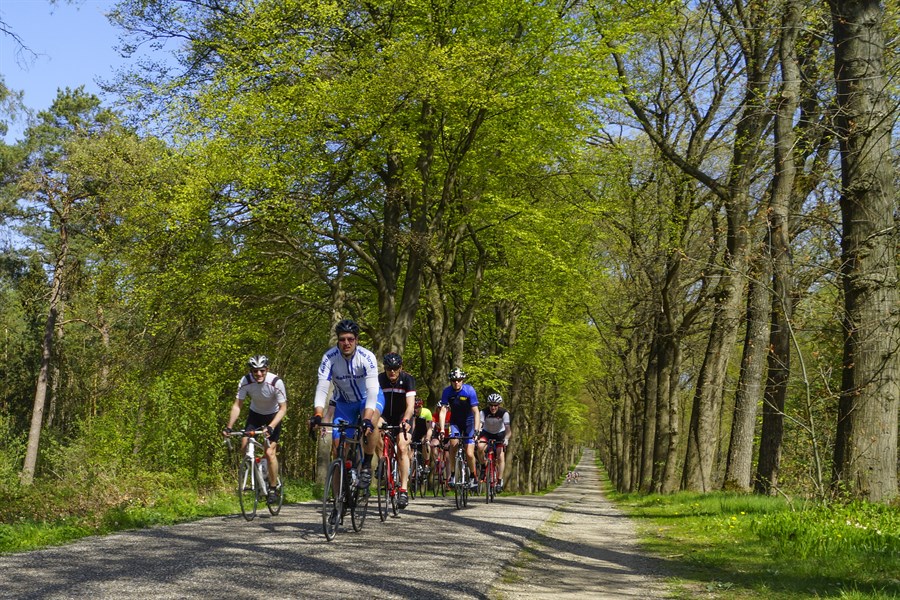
568	199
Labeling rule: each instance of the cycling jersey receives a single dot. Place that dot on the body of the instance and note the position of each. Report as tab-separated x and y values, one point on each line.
264	397
421	424
460	404
355	379
396	395
496	423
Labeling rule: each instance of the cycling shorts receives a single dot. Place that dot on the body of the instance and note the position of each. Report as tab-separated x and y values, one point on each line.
257	421
468	433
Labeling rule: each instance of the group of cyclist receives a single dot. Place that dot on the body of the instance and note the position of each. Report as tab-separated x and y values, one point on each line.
361	394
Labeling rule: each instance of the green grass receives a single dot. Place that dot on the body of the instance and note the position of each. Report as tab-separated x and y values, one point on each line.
728	545
50	514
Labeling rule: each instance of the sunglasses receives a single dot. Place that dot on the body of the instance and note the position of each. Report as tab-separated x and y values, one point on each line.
263	370
347	340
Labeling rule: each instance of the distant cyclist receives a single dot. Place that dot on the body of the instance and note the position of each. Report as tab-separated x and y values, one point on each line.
459	398
399	388
268	405
423	431
495	426
353	371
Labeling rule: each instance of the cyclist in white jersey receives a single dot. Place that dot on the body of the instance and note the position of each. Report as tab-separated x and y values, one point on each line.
268	405
495	426
353	371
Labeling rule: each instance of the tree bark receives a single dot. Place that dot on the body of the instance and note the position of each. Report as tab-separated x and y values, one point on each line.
865	455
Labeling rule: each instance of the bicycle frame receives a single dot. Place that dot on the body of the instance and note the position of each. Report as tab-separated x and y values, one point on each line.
253	484
341	493
388	473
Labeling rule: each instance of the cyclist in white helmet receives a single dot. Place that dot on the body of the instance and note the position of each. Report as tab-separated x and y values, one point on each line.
495	426
268	405
353	370
461	401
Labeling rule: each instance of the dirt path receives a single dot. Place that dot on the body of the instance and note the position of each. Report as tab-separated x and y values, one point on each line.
586	549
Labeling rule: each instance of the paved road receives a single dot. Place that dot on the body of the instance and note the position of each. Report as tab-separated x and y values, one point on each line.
567	543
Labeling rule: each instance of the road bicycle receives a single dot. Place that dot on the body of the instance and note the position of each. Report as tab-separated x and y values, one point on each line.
388	473
253	477
440	472
490	479
342	493
418	482
461	473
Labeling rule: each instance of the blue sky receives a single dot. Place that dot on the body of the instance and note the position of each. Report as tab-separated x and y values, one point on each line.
75	45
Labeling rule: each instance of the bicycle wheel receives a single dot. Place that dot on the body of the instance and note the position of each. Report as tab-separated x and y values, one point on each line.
435	476
489	481
465	484
358	507
246	489
458	486
445	470
382	490
331	500
415	473
276	508
394	485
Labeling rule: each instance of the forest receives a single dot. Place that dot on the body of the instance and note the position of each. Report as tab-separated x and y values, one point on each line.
666	230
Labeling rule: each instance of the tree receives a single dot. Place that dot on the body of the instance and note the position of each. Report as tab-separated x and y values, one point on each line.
865	454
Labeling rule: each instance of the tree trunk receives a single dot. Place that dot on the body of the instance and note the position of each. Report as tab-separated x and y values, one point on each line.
40	393
865	455
750	385
779	358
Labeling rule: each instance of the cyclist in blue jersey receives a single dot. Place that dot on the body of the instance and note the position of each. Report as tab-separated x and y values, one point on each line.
353	371
460	399
399	388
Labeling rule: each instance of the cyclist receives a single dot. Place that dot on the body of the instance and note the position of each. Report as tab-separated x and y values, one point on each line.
399	388
459	398
495	423
423	431
353	370
268	405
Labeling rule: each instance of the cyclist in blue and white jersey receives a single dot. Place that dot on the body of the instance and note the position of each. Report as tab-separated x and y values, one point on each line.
268	405
353	370
461	401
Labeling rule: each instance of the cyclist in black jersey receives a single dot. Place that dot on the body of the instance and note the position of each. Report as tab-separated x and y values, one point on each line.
399	389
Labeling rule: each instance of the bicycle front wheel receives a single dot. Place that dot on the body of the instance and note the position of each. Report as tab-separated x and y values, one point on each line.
415	474
276	507
331	500
459	484
358	507
489	481
246	489
382	490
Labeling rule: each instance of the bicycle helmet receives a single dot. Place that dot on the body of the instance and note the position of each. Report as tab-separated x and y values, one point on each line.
495	399
456	373
260	361
392	360
347	326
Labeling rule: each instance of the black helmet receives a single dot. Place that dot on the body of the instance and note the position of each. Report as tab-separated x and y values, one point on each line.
456	373
347	326
260	361
495	399
392	360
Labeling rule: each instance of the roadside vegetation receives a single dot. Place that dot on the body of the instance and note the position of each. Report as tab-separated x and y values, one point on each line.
54	513
730	545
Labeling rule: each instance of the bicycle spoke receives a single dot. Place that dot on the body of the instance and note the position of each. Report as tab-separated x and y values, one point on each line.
246	490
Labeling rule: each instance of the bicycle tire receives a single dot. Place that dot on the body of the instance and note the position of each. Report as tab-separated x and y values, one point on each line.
414	475
332	507
274	509
358	508
465	483
394	485
489	481
246	489
382	490
458	487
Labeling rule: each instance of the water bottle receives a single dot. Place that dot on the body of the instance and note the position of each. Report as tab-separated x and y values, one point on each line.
264	466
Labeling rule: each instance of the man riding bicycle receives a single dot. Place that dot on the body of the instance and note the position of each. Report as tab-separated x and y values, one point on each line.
423	431
399	389
268	405
495	426
460	399
353	371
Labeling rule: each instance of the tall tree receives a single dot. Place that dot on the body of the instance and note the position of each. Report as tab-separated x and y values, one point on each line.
865	454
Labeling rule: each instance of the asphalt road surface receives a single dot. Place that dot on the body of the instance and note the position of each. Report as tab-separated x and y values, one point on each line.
570	543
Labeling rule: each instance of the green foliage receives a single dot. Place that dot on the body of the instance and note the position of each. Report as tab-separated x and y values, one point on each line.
745	546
